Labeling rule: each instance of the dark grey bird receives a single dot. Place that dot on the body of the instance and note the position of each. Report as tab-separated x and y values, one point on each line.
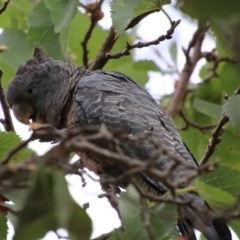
63	95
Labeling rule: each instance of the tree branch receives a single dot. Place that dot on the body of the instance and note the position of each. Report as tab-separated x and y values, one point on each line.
215	140
4	7
101	58
95	15
7	121
188	124
216	61
145	219
191	61
85	41
15	150
83	141
130	47
216	134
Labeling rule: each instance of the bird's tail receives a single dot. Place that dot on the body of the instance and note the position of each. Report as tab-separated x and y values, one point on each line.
197	214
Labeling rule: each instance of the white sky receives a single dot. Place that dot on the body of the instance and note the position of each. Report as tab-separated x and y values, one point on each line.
157	85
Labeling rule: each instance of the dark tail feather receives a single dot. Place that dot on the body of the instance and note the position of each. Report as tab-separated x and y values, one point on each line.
198	215
222	229
186	229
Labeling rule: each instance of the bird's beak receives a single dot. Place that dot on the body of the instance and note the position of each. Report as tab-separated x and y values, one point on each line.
23	112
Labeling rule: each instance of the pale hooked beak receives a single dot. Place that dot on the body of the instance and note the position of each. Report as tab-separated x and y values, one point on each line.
23	112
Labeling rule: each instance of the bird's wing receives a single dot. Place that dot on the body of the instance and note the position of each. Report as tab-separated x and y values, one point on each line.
124	106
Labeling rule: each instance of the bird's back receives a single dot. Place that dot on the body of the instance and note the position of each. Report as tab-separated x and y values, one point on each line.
124	106
121	104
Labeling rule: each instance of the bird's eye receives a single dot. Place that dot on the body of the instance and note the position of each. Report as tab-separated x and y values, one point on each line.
30	90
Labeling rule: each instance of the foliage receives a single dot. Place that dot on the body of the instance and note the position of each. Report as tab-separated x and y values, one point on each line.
72	35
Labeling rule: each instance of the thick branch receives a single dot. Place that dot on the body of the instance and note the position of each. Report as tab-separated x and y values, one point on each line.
191	62
101	59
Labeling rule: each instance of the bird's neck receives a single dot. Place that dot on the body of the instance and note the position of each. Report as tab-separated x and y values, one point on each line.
70	96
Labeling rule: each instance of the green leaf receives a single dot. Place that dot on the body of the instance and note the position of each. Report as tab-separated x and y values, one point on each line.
10	140
230	108
228	151
225	178
163	219
229	77
18	51
49	206
148	5
216	197
42	33
224	20
122	13
68	214
128	13
209	90
196	141
235	225
208	108
8	73
3	226
64	42
225	30
204	9
77	31
129	205
5	20
39	17
62	12
173	52
16	14
37	213
136	70
47	39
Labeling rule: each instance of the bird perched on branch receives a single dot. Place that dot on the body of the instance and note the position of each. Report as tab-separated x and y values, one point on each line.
63	95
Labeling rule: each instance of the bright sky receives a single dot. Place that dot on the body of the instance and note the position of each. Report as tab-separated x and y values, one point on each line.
158	85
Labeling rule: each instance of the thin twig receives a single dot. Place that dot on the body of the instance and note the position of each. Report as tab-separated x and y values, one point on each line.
94	16
104	54
130	47
145	219
4	7
104	236
188	124
83	143
7	121
217	132
14	151
216	61
85	41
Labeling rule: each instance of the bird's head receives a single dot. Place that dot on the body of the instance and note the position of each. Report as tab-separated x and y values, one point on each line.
37	88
